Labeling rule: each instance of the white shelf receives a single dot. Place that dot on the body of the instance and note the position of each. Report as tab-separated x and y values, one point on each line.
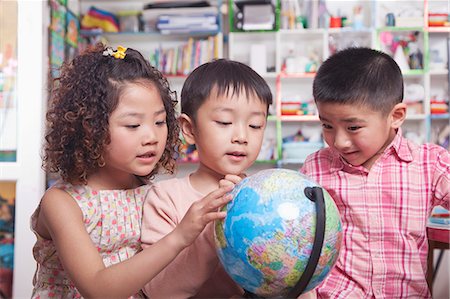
420	117
303	42
125	5
299	118
443	72
149	36
444	116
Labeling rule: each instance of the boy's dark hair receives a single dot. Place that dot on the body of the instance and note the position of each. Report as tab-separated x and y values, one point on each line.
83	97
360	76
224	77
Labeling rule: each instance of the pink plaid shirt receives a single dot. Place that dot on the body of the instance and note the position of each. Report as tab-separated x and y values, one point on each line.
384	214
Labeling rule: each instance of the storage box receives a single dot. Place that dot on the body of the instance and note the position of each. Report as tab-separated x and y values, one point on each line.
300	150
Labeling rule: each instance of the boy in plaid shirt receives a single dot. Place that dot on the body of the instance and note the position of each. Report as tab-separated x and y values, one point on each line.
384	185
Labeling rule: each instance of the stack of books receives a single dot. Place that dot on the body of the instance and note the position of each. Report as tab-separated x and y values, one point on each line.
181	20
440	218
188	22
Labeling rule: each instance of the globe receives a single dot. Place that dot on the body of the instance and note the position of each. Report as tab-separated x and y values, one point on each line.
281	236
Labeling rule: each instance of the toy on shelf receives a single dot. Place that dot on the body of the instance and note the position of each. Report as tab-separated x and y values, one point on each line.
291	15
404	47
301	63
97	18
358	18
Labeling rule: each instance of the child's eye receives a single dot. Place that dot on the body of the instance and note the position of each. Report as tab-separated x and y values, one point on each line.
132	126
223	123
354	128
256	126
161	123
326	126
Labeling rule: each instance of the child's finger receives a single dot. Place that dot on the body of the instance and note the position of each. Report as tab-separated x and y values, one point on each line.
221	191
234	178
214	216
213	200
224	182
217	203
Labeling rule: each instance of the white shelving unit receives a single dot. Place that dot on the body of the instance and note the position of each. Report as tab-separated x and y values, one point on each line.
293	55
438	78
149	42
240	45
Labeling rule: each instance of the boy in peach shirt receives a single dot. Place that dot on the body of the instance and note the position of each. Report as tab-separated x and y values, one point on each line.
224	107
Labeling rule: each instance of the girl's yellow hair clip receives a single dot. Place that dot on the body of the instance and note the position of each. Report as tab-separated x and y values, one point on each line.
119	53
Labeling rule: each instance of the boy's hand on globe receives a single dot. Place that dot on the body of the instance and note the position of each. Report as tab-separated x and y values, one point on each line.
201	213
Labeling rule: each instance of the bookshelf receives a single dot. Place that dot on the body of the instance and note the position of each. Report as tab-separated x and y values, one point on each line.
292	55
174	38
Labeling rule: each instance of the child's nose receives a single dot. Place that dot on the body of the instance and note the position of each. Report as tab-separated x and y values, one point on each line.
341	141
149	136
240	134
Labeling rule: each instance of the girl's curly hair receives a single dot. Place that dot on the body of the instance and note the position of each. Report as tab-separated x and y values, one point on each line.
83	97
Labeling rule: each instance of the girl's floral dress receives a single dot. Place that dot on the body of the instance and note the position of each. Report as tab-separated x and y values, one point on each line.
112	219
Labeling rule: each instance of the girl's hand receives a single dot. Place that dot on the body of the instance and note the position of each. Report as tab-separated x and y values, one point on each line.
201	213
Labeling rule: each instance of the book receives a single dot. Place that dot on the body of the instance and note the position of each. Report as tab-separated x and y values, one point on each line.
186	20
190	30
440	218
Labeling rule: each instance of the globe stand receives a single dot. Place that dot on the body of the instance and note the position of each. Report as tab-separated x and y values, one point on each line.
314	194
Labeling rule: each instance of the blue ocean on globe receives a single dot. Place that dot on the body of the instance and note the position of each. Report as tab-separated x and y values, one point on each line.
266	239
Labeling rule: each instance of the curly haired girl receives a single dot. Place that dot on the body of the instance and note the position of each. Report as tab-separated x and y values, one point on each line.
111	128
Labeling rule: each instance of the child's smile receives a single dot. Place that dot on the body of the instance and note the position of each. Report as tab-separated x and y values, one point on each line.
358	133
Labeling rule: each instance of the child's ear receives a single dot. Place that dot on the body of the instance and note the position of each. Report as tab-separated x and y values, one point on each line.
187	128
398	115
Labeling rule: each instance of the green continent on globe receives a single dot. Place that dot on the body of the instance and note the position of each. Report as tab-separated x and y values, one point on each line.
220	237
